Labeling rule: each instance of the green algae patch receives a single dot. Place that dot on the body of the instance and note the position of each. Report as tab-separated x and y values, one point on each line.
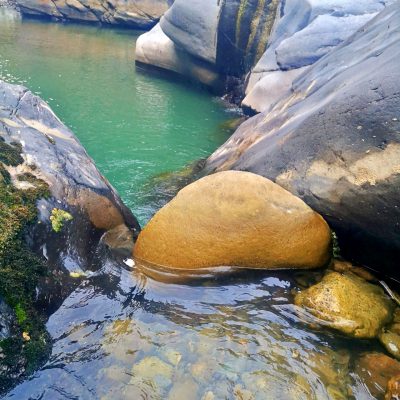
20	270
58	218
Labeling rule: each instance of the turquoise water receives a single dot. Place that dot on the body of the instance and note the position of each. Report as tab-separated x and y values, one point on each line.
134	125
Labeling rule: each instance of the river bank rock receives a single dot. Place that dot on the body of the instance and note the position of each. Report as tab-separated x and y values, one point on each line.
55	208
50	152
141	14
235	219
334	142
303	32
347	303
220	38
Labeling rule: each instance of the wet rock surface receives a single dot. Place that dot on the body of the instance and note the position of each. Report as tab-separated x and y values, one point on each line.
375	371
54	208
132	13
334	142
347	303
235	219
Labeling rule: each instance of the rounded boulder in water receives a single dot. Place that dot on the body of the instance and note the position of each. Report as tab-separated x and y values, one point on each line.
235	218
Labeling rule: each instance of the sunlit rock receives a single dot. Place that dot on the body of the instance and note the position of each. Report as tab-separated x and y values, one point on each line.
347	303
235	219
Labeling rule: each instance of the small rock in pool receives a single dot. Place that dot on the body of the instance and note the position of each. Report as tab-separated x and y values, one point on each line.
347	303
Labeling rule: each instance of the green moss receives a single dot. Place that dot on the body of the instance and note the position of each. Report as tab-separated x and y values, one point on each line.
240	14
20	313
20	271
10	154
58	217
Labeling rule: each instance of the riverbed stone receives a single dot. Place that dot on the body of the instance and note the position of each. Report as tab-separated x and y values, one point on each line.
375	371
235	219
347	303
390	335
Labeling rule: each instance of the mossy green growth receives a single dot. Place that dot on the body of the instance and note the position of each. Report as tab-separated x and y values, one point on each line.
58	218
20	271
10	154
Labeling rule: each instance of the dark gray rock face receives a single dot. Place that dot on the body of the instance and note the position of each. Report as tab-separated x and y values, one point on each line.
52	153
334	140
6	320
132	13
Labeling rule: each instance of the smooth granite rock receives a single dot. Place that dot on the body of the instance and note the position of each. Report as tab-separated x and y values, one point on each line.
235	219
304	32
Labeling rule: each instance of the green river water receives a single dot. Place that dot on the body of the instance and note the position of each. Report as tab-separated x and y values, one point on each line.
121	335
134	125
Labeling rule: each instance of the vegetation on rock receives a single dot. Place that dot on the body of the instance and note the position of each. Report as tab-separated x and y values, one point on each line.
20	271
58	217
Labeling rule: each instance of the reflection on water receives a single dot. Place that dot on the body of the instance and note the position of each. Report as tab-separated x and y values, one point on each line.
122	335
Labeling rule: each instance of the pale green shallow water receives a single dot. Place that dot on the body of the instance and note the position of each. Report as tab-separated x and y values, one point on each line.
134	125
121	335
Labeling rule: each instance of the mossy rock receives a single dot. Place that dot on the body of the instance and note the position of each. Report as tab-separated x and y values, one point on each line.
347	303
20	270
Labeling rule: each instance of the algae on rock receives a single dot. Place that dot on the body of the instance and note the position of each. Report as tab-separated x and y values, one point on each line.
20	269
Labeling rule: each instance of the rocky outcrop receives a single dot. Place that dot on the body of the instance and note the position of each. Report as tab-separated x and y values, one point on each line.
220	38
347	303
333	141
51	153
58	216
131	13
304	32
275	40
235	219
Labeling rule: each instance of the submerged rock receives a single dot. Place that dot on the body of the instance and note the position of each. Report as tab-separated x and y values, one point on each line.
390	335
375	371
393	388
235	219
132	13
333	141
347	303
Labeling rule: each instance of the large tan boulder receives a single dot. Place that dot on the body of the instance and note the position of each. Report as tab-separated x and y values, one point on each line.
348	303
235	218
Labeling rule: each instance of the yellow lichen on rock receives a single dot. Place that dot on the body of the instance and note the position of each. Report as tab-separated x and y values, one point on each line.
235	218
347	303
